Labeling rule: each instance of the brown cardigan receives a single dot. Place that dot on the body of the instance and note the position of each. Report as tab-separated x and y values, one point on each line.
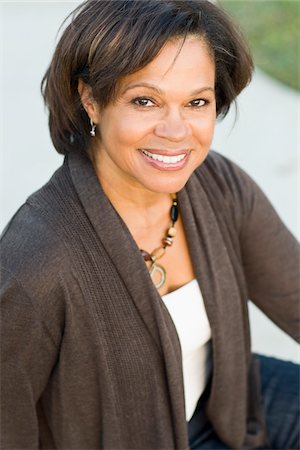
90	355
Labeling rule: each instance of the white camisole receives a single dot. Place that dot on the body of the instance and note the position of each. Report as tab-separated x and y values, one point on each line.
187	310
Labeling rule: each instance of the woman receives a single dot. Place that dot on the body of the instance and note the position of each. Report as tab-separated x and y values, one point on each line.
126	278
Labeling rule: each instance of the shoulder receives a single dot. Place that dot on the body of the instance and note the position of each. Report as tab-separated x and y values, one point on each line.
31	238
223	180
39	230
230	177
29	243
232	193
36	261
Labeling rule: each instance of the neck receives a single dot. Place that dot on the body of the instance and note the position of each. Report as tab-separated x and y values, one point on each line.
138	207
147	215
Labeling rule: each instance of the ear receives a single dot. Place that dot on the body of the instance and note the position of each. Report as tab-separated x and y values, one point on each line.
87	100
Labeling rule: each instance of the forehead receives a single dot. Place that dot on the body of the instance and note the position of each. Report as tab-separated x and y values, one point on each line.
189	63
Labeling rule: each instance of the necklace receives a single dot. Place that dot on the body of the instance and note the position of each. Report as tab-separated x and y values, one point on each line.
160	251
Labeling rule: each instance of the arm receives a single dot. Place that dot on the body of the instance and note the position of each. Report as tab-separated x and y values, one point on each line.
268	252
271	259
28	354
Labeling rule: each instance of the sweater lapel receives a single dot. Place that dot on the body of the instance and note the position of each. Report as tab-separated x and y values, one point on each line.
221	296
115	238
126	257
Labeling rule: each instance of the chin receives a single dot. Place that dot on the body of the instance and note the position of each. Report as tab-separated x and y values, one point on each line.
169	185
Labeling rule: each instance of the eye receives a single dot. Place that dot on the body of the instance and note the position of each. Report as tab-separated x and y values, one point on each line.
143	101
198	102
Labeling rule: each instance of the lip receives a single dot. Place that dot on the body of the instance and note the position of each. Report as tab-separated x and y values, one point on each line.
166	152
166	166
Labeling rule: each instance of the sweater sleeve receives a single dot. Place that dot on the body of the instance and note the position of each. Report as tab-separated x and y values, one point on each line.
271	258
28	354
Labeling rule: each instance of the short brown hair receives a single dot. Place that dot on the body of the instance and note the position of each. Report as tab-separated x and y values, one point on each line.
108	39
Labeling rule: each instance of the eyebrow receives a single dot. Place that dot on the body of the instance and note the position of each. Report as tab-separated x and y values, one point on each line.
161	92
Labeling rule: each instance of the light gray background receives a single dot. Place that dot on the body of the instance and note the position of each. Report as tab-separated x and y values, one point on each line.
264	141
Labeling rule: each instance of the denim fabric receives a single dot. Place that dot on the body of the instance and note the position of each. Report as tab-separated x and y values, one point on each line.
280	382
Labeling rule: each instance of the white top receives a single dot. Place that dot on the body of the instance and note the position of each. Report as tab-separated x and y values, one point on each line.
187	310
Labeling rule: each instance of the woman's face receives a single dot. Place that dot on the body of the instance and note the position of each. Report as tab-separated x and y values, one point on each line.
160	127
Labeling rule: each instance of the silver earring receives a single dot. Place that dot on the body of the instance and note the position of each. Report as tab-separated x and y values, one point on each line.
92	132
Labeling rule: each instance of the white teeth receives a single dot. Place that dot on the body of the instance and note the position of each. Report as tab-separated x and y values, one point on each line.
165	159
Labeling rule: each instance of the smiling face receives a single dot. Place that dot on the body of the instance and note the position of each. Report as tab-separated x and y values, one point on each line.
160	127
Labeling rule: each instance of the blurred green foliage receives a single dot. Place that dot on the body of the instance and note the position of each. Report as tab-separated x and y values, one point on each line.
272	28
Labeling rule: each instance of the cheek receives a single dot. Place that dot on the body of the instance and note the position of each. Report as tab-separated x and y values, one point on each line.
129	130
203	130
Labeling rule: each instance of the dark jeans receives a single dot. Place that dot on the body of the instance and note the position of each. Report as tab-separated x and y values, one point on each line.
280	392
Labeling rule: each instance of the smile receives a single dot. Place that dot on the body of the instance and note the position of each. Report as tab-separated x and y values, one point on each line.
165	159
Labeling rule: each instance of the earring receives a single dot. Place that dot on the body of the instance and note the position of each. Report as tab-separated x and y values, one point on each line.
92	132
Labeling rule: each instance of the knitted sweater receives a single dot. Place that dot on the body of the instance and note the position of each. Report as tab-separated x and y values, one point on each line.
90	355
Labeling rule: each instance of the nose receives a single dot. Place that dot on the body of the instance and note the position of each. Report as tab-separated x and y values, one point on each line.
172	127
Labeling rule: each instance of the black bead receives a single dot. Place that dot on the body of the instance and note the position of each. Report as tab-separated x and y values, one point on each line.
174	213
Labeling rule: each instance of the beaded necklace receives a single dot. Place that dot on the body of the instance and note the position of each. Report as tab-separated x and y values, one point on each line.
160	251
